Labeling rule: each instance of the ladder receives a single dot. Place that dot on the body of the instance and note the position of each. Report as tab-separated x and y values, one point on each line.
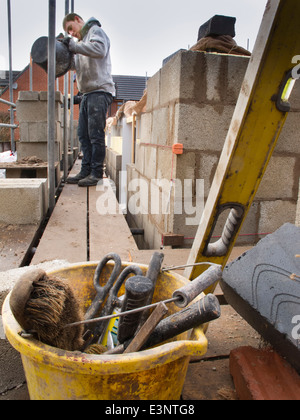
259	117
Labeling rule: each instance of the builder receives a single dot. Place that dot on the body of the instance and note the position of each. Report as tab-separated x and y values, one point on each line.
95	82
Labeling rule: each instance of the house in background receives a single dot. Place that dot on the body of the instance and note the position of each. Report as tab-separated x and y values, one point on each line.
128	88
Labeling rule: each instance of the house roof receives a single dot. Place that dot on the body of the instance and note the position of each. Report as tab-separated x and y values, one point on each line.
130	88
4	77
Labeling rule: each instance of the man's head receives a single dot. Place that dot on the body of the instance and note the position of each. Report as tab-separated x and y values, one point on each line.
73	24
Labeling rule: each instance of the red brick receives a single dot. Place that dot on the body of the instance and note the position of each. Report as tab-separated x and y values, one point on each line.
263	375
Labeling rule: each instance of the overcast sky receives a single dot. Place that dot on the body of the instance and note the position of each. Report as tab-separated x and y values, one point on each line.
142	33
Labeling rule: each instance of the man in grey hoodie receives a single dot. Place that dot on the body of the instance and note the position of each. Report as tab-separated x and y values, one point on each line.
95	82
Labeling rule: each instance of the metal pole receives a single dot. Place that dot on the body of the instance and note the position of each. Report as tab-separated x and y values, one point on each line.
72	100
66	90
51	103
30	75
11	94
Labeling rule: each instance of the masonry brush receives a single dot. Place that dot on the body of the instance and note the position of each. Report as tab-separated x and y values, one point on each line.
43	305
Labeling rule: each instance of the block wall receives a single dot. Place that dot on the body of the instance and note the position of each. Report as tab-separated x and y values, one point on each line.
32	114
191	101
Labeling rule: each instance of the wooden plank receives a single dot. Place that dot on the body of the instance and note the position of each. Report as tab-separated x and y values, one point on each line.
65	236
142	336
108	229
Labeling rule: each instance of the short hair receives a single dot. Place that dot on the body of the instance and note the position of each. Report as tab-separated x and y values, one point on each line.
70	18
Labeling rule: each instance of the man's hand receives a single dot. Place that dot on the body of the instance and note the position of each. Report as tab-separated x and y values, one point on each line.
69	42
66	40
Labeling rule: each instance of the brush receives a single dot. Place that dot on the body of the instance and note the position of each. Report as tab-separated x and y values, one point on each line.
43	305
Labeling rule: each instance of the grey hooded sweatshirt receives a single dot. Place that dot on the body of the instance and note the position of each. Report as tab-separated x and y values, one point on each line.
92	59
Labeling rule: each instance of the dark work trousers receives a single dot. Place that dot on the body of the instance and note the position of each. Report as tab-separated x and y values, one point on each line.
91	131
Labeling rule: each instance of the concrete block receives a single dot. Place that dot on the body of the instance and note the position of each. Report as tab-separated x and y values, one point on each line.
43	96
203	128
23	201
38	131
153	92
277	182
260	286
288	141
170	84
38	149
146	127
262	375
206	166
166	163
161	128
150	162
26	95
274	214
237	67
186	165
29	109
140	158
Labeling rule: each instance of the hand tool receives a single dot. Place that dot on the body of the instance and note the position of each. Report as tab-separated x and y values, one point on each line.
180	296
205	310
188	292
137	291
201	312
142	336
152	274
112	300
96	335
103	291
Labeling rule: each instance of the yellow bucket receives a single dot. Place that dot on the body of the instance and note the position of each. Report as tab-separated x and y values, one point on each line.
155	374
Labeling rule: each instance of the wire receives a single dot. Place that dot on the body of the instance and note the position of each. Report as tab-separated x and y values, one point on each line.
190	265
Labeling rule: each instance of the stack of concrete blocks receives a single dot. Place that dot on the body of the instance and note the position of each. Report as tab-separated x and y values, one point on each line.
191	101
32	114
23	201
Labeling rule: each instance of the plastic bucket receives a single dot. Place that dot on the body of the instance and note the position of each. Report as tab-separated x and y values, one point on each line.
155	374
63	58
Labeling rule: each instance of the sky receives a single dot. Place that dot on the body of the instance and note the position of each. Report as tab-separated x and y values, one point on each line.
142	34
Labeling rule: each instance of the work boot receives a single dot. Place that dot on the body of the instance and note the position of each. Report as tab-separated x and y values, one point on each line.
89	181
75	179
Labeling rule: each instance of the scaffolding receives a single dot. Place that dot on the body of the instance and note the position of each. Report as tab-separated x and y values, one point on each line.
51	129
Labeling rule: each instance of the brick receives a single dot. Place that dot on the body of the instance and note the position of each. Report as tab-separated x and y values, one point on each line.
261	374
